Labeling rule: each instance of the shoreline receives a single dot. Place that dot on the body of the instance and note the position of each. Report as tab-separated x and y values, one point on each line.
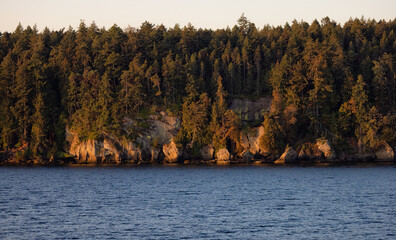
208	164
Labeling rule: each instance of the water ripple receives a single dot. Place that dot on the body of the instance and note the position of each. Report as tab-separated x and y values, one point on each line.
198	203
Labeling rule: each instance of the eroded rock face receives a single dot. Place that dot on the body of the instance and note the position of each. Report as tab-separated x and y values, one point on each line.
108	150
251	141
162	128
171	152
385	153
88	151
325	147
223	157
207	152
153	155
289	156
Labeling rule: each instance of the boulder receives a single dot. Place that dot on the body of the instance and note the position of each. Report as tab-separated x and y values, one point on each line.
206	152
385	153
172	152
223	157
289	156
325	147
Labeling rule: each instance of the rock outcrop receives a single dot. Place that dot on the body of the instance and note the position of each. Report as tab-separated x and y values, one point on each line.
109	150
385	153
223	157
251	141
289	156
172	152
154	143
145	149
163	128
251	109
325	147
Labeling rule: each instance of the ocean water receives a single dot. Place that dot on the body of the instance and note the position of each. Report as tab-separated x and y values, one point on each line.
241	202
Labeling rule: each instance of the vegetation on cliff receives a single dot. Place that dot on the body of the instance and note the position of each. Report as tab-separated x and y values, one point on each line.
326	80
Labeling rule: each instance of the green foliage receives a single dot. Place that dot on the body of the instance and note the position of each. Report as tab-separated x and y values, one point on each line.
39	128
326	80
273	139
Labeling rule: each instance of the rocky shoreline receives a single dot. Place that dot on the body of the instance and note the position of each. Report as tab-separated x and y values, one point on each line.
196	163
157	146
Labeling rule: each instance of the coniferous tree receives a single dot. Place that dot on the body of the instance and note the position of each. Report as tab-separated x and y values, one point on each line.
92	78
39	139
21	109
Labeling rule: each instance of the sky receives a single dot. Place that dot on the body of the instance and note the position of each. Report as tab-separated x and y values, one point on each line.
214	14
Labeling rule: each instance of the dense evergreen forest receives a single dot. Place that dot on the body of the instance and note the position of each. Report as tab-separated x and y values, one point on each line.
325	79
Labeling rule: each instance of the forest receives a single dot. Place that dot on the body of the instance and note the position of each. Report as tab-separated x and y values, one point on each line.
326	80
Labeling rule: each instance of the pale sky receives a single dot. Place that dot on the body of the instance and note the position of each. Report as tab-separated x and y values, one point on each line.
214	14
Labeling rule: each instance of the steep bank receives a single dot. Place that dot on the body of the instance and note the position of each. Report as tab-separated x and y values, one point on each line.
156	145
151	145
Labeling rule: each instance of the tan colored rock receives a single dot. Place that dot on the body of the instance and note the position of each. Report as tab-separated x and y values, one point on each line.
87	151
154	154
171	152
131	152
244	140
223	157
385	153
251	141
206	152
325	147
162	128
108	150
289	156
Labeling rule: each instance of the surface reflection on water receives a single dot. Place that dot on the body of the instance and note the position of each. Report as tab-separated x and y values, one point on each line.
173	202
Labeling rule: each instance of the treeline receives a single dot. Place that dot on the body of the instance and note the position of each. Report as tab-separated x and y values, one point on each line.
326	80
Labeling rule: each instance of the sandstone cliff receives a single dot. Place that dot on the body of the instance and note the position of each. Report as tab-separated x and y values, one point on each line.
146	148
250	141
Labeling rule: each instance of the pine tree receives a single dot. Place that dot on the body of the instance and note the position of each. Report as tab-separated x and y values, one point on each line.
39	141
7	78
257	60
21	110
218	110
273	139
385	83
105	101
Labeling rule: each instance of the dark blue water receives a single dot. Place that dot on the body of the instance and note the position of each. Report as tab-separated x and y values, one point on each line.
198	203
